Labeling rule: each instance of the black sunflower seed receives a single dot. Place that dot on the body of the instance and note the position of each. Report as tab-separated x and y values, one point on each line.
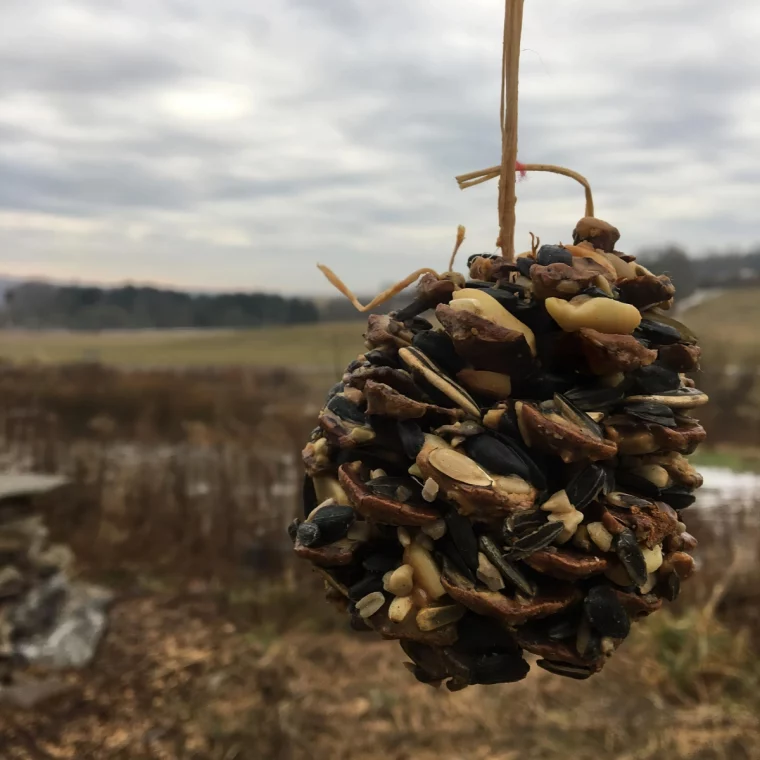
594	399
439	347
449	555
459	528
535	540
671	587
378	358
629	553
677	497
410	311
522	523
535	469
498	668
637	483
506	298
562	629
346	410
369	584
542	385
308	496
655	379
334	391
393	487
586	485
333	522
308	534
652	412
595	292
627	500
554	254
412	437
657	333
524	264
379	564
418	324
481	635
577	416
685	334
496	456
578	672
606	613
507	569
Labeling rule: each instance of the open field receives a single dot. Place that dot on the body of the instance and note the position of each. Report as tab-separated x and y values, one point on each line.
725	323
730	321
321	346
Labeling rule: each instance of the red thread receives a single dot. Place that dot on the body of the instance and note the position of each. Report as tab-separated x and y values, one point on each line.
521	168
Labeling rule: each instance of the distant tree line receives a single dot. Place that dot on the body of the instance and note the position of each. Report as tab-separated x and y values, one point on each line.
43	305
37	305
721	270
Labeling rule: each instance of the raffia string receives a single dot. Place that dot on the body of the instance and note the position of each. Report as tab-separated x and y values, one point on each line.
510	68
388	293
475	178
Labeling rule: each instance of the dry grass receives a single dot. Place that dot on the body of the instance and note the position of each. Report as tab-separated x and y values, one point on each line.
322	346
176	680
213	658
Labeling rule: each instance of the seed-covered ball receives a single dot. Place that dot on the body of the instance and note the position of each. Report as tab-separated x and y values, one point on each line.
512	479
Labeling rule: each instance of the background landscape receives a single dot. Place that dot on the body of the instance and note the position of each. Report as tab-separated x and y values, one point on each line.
171	173
183	447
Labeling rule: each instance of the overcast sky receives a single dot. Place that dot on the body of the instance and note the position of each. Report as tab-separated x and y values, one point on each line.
235	143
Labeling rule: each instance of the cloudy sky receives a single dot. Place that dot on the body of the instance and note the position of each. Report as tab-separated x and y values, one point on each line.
235	143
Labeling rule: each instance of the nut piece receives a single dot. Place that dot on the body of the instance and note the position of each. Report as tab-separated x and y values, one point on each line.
399	608
600	536
426	573
489	308
400	582
367	606
600	234
495	385
489	574
571	521
607	353
558	504
601	314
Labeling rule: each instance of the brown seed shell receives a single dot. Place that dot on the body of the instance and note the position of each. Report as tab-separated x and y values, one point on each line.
380	508
484	344
556	435
567	564
607	354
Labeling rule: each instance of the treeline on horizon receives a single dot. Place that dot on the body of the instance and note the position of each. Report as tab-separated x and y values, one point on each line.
42	305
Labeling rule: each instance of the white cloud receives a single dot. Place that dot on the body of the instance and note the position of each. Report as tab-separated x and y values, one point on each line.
235	144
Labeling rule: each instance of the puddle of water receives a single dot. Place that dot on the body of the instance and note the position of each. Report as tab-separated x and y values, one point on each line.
724	488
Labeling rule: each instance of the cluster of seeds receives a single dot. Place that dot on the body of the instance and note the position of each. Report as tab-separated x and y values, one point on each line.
512	479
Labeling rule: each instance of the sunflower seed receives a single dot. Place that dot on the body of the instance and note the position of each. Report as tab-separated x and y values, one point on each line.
586	485
629	553
536	539
459	530
605	612
578	672
507	569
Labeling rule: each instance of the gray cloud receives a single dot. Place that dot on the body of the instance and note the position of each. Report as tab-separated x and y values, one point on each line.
235	144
